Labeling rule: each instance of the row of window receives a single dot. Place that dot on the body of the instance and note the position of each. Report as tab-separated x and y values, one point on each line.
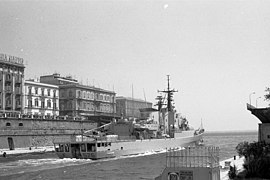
84	147
42	91
92	96
49	104
8	101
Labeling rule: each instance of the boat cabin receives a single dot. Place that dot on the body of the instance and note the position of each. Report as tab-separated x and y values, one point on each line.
83	149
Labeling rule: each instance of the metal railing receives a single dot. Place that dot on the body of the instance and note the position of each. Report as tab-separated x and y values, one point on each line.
193	157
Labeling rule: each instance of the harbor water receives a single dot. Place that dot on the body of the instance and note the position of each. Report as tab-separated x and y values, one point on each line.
142	166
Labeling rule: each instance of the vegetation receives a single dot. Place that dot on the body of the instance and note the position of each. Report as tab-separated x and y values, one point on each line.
267	96
257	160
232	172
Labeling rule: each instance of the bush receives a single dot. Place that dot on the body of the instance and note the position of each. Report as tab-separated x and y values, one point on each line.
257	158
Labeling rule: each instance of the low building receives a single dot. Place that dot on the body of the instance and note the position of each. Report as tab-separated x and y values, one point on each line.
11	84
130	107
41	99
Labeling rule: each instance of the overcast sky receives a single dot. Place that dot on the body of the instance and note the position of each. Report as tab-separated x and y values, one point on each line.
217	52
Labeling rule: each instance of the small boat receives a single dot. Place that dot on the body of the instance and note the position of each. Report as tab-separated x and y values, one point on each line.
122	137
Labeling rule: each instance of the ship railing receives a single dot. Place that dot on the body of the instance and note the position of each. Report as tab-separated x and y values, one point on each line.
193	157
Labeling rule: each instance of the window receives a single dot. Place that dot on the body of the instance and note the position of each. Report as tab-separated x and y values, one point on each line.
70	105
29	103
49	103
36	90
66	147
54	93
8	124
20	124
91	147
61	148
49	92
42	104
42	92
54	105
83	148
36	102
30	90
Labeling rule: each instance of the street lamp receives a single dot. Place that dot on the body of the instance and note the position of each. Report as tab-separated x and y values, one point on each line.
250	97
257	99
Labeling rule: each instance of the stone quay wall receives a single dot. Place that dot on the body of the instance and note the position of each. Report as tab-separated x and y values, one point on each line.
18	133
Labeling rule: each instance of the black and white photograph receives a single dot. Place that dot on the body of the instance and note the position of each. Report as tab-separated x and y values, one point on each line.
134	89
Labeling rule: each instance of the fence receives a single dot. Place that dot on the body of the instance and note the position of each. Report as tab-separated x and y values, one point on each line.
193	157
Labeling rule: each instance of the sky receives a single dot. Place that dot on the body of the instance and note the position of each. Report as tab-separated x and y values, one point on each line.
216	52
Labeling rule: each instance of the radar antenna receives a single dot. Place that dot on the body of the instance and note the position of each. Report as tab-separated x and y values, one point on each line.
169	93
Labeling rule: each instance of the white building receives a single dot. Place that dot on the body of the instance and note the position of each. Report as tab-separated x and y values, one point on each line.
41	99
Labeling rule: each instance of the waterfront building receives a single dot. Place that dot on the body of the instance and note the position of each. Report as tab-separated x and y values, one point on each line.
11	84
130	107
87	102
81	101
41	99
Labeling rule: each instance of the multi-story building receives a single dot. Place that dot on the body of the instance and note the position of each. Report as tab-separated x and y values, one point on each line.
41	99
87	102
130	107
11	84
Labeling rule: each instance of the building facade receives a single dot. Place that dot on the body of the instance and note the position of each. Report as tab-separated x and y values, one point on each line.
86	101
11	84
130	107
41	99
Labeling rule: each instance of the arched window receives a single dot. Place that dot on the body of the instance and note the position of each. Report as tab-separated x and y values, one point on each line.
8	124
20	124
36	102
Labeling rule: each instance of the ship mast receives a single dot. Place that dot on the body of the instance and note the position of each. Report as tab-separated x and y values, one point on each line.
169	93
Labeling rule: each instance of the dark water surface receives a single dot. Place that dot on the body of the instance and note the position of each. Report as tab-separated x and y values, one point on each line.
146	166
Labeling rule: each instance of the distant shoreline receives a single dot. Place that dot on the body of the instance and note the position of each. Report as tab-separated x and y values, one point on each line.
232	131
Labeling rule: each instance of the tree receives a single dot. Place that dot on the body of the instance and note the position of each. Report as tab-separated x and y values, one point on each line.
267	96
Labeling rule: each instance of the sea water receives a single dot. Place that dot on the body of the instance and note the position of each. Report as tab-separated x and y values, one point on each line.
143	166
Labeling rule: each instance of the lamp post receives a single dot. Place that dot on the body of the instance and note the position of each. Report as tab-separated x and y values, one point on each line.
250	97
257	99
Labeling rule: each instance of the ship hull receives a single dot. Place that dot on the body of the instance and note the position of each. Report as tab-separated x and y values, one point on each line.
123	148
151	145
